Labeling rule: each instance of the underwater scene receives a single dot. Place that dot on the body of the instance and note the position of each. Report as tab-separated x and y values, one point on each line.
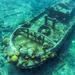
37	37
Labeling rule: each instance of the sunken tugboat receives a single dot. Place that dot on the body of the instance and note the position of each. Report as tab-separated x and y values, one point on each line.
34	42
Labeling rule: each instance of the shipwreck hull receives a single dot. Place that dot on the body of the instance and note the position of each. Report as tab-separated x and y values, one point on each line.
39	39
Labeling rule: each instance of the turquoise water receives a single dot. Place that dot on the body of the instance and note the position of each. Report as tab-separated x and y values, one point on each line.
12	14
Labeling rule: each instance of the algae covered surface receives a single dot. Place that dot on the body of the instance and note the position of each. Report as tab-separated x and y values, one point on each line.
12	14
